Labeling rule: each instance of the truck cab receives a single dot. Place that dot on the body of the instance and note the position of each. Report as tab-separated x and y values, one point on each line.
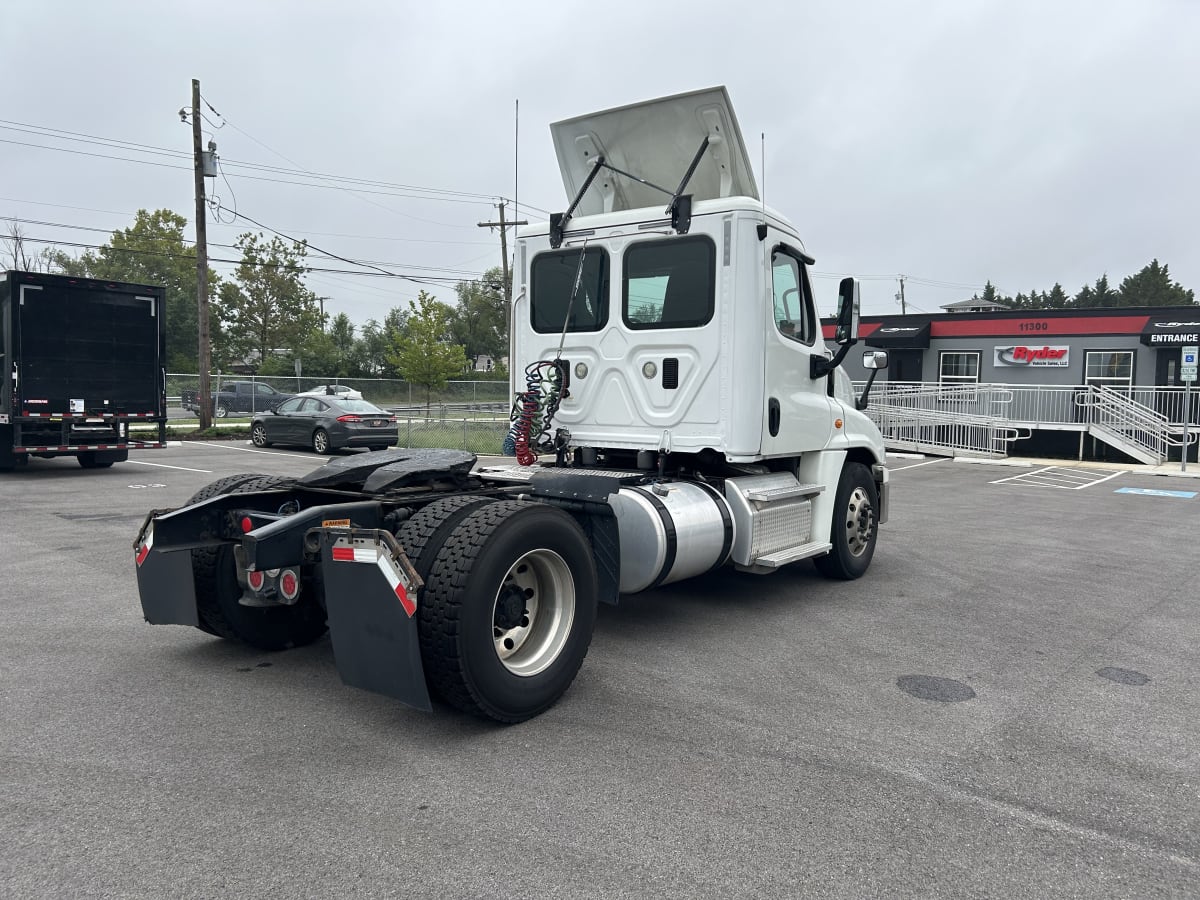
696	339
682	322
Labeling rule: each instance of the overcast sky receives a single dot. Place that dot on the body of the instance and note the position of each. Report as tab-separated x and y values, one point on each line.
952	141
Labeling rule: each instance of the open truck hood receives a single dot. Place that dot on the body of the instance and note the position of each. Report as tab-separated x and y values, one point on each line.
655	140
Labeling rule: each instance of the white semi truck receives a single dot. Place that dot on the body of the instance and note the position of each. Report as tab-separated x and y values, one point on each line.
678	410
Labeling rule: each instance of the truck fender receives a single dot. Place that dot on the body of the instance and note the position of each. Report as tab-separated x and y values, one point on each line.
822	467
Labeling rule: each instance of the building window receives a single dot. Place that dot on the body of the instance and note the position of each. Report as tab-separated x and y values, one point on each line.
958	376
670	284
958	368
1111	368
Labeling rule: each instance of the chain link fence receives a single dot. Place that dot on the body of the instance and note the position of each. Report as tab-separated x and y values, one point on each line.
391	394
464	415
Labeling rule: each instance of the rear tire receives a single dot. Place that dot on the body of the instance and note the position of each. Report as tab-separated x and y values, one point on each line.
220	412
855	528
508	610
423	535
320	442
218	591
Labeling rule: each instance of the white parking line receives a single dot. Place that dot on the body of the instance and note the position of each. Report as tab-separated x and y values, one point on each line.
138	462
1023	475
1063	478
224	446
914	465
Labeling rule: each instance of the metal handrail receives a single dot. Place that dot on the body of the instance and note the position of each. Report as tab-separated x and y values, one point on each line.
1152	419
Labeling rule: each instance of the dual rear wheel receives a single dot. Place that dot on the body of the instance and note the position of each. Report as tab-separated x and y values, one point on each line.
509	605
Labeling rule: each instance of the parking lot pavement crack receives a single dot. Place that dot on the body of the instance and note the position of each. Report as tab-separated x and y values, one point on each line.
950	789
1131	840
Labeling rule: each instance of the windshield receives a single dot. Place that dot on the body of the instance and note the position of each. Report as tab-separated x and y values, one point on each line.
360	406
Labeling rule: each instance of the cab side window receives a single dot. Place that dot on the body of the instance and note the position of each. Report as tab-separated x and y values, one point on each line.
795	316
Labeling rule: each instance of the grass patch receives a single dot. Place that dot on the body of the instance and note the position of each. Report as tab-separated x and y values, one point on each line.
240	432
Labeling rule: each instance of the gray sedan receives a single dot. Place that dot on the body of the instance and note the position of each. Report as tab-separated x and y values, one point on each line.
325	424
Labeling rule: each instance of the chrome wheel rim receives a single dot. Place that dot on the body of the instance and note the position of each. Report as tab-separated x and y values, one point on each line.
528	640
220	411
320	442
860	522
259	436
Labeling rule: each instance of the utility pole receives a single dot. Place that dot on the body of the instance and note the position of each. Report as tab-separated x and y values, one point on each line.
205	354
900	297
503	226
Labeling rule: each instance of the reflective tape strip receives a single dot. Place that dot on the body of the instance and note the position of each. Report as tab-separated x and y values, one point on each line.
144	550
73	447
344	552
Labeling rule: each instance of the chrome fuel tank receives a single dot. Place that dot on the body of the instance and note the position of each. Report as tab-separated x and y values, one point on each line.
670	531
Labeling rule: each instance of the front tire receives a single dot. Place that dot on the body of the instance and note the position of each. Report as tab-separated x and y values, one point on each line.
320	442
258	436
508	610
855	526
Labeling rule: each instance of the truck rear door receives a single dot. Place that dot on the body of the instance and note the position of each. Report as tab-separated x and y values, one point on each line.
84	350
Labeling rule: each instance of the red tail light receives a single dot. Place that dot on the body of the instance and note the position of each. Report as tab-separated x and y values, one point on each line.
391	420
255	579
349	418
289	584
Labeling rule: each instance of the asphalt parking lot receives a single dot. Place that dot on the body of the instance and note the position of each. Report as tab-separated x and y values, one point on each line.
1007	705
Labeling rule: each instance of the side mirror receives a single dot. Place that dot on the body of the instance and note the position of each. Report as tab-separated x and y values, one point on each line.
875	359
846	331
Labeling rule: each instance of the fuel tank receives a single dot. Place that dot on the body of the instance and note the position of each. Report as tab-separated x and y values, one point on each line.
670	531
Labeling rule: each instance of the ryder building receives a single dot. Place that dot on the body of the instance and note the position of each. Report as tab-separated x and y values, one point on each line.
1133	350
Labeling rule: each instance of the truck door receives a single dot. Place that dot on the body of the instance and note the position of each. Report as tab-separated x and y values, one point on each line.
796	408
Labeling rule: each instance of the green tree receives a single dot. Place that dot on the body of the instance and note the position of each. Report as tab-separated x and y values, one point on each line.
1056	298
267	307
334	351
1152	286
377	342
480	321
153	251
1101	294
426	355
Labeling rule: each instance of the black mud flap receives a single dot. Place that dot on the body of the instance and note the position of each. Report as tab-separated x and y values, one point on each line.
371	593
165	582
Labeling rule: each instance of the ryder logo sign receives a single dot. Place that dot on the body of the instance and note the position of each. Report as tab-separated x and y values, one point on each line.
1022	355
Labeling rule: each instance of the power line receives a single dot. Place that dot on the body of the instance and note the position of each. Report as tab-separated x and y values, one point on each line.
444	194
60	134
144	162
420	279
117	212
